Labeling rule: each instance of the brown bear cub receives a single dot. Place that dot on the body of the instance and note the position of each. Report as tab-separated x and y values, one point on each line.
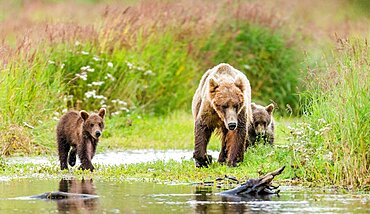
262	127
223	102
78	133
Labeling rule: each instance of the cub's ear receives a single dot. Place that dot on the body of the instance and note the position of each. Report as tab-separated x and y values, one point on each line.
270	108
253	105
213	85
101	112
239	83
84	115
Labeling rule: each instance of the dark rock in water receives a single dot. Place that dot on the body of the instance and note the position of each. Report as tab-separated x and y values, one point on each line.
62	195
260	186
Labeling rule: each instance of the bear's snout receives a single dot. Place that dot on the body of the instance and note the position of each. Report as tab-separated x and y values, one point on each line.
232	125
97	133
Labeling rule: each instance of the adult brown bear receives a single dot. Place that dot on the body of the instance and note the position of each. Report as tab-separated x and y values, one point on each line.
223	102
79	131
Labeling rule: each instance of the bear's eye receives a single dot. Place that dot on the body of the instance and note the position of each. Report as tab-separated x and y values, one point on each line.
224	107
100	125
235	106
91	125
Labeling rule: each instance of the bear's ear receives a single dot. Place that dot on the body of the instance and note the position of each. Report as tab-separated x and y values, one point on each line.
213	85
84	115
102	112
253	105
270	108
239	83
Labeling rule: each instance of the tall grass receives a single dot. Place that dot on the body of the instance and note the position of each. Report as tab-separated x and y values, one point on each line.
333	143
264	55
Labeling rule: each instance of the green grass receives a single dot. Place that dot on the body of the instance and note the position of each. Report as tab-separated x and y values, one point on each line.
258	160
333	142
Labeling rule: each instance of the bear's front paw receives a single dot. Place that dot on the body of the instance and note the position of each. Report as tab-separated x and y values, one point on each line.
90	167
203	162
231	163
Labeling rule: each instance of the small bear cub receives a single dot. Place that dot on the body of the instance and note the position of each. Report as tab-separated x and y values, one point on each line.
78	133
262	126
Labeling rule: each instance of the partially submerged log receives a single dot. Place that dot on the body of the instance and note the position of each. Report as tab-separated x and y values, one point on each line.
260	186
62	195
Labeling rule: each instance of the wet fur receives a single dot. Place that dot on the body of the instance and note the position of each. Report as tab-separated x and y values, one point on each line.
222	85
76	135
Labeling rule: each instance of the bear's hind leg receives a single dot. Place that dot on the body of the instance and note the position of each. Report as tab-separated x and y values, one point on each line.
72	156
63	149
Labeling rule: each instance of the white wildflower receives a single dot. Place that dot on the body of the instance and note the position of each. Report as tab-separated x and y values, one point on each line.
110	64
122	103
51	62
95	58
83	76
77	43
140	68
328	156
90	94
55	118
124	109
84	68
99	83
149	72
84	53
62	65
130	65
100	97
90	69
247	67
110	76
116	113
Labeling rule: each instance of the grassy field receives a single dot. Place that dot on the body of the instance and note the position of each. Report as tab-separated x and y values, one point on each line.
142	60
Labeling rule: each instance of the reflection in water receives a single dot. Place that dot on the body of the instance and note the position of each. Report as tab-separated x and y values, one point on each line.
207	202
76	205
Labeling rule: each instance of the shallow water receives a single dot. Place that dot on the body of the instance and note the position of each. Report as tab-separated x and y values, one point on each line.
142	197
121	157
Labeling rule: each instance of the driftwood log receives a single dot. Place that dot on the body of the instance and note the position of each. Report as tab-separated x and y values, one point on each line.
260	186
62	195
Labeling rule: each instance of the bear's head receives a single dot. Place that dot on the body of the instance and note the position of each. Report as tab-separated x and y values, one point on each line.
93	123
261	118
227	100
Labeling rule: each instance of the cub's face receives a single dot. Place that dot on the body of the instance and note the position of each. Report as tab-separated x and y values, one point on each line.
93	123
261	118
227	101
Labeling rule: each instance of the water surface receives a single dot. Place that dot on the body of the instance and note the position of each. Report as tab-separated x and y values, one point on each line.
144	197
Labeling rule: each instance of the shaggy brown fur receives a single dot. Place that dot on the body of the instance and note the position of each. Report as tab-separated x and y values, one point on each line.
222	102
263	125
78	133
